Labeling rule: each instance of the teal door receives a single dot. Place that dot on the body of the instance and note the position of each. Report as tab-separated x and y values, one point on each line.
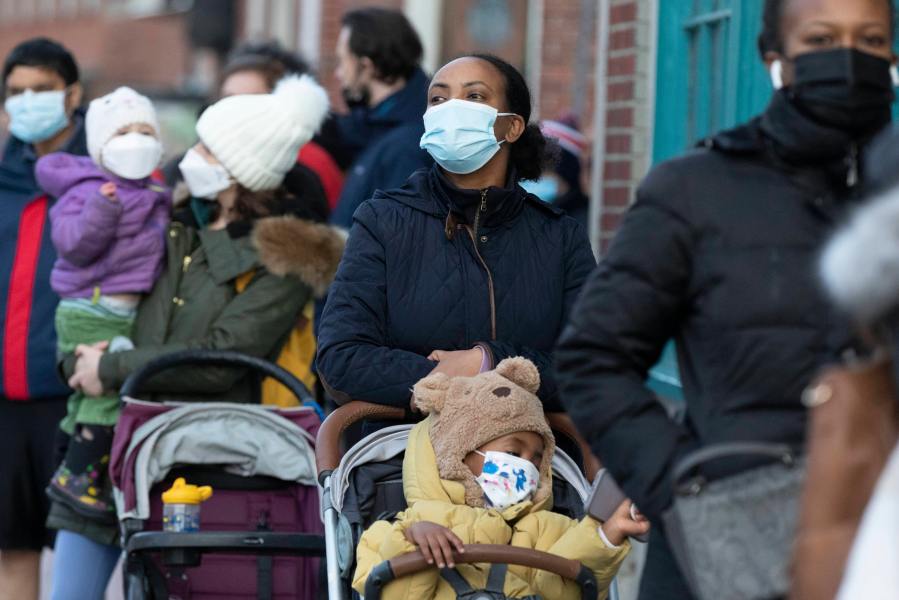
709	77
709	74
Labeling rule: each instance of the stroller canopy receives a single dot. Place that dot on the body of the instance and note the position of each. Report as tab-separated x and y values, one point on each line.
246	440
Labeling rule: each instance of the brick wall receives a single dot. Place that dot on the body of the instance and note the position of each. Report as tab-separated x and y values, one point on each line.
561	22
628	117
151	53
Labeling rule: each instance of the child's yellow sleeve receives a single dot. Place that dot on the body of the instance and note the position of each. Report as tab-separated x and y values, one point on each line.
580	541
384	541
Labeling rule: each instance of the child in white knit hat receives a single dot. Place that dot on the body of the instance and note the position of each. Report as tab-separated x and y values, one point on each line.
107	225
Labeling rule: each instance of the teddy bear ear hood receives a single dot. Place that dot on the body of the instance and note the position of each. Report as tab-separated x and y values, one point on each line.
429	394
521	372
468	412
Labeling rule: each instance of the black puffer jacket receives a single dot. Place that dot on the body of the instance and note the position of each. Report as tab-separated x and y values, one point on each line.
719	252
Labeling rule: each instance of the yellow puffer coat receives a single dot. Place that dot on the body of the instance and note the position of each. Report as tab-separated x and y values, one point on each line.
525	525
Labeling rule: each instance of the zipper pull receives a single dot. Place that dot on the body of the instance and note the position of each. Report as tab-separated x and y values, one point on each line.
483	200
852	173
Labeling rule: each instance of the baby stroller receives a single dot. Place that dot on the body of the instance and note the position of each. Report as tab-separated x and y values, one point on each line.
365	485
260	533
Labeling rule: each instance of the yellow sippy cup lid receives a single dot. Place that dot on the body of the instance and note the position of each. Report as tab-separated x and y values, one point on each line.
183	493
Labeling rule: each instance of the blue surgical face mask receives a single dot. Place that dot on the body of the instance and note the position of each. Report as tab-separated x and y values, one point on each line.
36	116
545	188
459	135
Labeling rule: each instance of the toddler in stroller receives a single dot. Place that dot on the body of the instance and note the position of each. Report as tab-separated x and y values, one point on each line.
478	471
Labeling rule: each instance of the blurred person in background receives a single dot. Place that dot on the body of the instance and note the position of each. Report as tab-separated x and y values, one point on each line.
860	270
316	179
255	69
719	253
378	56
42	99
561	183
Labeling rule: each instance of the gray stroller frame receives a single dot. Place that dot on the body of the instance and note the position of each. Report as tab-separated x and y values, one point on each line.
335	471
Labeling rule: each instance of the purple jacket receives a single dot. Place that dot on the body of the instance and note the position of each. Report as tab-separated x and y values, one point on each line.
116	246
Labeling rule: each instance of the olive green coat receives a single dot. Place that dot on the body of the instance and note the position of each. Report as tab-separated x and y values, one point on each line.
195	305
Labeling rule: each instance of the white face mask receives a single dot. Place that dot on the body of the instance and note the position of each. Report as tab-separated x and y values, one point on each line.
203	179
131	156
506	479
459	135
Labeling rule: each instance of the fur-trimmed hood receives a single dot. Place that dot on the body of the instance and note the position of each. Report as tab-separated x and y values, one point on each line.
291	246
860	266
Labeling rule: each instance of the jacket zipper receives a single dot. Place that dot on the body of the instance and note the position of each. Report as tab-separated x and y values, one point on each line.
474	240
852	173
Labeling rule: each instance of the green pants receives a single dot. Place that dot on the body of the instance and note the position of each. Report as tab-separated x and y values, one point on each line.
82	321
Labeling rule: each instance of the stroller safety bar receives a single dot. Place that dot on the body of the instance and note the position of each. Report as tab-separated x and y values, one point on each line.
223	358
327	443
414	562
241	542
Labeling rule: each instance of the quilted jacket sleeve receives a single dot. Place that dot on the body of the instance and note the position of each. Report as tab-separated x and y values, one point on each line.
579	262
354	360
383	541
630	307
577	540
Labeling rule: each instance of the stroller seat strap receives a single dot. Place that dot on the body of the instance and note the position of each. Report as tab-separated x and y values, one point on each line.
496	581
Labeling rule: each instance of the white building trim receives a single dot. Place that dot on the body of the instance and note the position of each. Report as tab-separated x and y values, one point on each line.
309	32
426	17
533	59
599	125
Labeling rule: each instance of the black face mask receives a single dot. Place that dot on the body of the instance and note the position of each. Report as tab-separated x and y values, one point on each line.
355	100
358	98
845	89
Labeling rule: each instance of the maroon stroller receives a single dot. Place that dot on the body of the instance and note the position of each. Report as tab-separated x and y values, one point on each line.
261	532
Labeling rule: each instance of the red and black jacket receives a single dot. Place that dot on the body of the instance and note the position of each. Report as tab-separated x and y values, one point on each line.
27	303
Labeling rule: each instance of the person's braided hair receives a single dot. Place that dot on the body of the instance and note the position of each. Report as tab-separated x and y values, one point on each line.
771	37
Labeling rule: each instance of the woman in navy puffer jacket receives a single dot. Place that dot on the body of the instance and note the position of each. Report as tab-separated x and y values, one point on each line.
460	268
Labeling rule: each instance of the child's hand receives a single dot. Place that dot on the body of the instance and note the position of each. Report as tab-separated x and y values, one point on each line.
108	191
436	542
625	522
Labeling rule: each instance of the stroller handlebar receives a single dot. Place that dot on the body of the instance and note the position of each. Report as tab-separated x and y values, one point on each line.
415	562
220	358
327	442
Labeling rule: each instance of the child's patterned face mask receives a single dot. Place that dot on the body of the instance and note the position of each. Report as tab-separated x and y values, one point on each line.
506	479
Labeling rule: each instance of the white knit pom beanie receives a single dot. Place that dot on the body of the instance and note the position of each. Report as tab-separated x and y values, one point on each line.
257	137
111	112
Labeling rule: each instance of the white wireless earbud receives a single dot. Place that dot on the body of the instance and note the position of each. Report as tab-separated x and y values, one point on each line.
777	74
894	74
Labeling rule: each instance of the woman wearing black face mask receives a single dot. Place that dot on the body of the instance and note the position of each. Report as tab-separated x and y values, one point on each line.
719	252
